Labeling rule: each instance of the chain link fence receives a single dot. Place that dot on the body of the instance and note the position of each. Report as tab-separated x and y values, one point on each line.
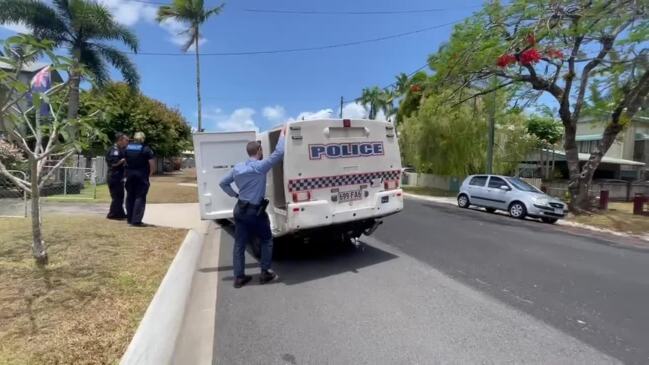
13	200
71	183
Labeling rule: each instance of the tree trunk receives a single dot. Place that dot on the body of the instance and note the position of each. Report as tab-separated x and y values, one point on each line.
75	81
577	186
198	87
38	246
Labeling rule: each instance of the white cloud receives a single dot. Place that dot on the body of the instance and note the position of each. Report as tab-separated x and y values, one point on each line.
274	113
176	31
130	13
17	27
240	120
354	111
320	114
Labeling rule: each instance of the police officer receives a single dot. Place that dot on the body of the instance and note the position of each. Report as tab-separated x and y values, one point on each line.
116	163
250	216
139	167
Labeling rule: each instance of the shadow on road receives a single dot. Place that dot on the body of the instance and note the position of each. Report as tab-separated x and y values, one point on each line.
297	262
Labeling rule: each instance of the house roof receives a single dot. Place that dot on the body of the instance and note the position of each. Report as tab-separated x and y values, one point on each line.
589	137
561	156
31	67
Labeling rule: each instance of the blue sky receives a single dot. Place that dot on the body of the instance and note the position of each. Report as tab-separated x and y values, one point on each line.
243	92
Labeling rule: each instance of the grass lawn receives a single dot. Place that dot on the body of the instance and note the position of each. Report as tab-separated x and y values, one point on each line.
164	189
84	307
619	217
428	191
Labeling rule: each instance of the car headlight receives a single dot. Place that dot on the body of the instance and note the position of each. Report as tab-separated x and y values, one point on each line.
541	201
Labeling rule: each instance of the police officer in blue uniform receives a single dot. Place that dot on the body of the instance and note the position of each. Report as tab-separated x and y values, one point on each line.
250	218
139	167
115	159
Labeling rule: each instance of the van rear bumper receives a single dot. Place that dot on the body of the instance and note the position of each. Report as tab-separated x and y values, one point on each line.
321	213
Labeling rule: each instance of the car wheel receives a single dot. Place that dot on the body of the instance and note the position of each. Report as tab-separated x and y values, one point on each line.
517	210
490	210
549	220
463	201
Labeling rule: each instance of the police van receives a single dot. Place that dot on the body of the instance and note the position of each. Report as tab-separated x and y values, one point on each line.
339	177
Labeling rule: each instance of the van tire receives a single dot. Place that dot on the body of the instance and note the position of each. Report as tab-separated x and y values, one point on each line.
463	201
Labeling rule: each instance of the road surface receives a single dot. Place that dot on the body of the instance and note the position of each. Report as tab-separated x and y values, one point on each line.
437	284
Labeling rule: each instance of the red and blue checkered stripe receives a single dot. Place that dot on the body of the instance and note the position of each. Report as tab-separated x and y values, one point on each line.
324	182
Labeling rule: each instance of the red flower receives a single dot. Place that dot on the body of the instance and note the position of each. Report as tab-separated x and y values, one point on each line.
554	53
506	60
415	88
531	39
529	57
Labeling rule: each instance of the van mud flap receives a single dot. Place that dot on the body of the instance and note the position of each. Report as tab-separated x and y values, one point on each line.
372	228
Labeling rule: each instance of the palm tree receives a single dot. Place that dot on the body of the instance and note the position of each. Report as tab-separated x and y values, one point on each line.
86	28
193	14
402	85
388	97
372	97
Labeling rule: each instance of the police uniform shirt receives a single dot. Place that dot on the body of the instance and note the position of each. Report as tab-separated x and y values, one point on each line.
113	156
138	156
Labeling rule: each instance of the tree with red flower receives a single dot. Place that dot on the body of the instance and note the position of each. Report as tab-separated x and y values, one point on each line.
530	57
506	60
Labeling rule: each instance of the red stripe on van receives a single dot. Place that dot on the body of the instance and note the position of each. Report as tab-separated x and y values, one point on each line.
324	182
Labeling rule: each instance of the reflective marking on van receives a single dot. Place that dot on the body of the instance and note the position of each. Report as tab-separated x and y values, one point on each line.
325	182
345	150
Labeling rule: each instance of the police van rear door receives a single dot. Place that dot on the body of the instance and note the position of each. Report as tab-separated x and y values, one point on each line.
345	162
216	154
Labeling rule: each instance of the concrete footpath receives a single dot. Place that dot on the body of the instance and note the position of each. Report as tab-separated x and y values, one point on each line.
178	326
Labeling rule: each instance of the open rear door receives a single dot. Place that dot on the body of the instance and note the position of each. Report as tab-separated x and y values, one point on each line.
216	154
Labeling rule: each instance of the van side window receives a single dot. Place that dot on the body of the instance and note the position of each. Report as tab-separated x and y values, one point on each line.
478	181
496	182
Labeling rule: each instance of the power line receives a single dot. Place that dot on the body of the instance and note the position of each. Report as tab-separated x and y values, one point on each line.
318	12
303	49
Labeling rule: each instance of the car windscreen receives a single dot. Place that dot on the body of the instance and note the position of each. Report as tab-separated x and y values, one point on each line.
522	185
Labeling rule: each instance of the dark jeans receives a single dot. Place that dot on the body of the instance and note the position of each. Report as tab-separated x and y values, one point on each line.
116	188
248	225
137	186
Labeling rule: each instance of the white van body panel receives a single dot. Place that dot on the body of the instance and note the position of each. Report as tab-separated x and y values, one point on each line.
335	173
216	154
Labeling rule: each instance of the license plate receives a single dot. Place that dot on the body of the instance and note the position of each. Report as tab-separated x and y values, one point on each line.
348	196
558	211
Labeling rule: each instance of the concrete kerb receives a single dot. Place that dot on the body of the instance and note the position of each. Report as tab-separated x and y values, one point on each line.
452	201
155	339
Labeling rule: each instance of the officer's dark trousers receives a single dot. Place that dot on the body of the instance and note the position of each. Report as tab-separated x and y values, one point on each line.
137	186
247	224
116	188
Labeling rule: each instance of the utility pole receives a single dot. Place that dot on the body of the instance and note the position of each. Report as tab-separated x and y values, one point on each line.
492	127
341	107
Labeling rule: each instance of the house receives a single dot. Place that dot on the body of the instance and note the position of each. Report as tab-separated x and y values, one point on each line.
631	145
626	159
26	75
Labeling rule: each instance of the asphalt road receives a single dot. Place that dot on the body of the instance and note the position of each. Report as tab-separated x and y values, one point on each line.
437	284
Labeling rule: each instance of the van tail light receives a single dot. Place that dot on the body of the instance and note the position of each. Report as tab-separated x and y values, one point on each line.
347	123
301	196
391	184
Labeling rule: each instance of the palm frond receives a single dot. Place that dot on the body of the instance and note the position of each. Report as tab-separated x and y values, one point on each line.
115	31
38	16
122	63
214	11
194	34
92	60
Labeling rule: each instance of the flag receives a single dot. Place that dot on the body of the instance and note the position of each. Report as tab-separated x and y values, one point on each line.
41	82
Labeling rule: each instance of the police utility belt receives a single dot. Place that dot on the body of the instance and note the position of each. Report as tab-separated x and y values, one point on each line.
259	208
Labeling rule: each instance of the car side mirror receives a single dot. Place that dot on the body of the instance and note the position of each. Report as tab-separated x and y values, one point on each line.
505	188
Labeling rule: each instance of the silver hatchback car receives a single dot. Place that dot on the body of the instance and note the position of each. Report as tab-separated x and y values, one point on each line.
510	194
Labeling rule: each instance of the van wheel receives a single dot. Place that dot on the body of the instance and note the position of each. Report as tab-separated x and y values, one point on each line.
549	220
517	210
463	201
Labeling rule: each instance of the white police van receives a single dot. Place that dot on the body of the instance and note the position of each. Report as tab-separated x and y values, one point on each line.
337	179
